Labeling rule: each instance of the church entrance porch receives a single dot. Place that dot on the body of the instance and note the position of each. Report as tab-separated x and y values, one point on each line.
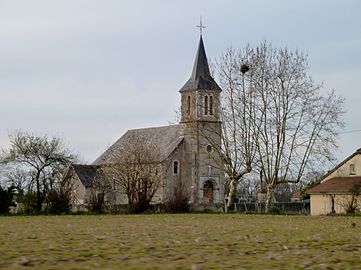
208	191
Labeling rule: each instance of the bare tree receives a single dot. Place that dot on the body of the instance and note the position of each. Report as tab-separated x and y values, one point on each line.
275	119
19	178
238	131
44	158
283	192
298	123
246	189
136	171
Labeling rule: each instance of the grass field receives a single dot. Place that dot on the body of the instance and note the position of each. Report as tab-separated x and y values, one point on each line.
185	241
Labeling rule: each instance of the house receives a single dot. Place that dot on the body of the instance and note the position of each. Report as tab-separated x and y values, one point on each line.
334	193
187	152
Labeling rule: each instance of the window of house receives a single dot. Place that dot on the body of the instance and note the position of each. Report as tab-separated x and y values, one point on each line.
205	105
352	169
175	167
211	105
188	105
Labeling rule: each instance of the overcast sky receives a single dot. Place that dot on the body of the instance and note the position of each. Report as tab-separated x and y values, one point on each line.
87	71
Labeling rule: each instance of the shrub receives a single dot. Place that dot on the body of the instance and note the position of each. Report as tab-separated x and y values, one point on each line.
351	205
6	199
58	202
178	205
273	210
30	203
97	207
179	202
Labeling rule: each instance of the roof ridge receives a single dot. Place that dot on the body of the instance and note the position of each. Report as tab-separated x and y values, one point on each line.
88	165
145	128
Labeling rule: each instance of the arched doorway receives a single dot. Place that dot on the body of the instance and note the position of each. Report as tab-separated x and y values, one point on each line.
208	191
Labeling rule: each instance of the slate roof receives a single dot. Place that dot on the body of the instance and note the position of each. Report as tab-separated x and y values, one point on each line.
337	185
86	173
164	140
201	77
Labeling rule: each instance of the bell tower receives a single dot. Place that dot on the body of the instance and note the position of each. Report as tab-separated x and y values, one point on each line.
200	94
200	109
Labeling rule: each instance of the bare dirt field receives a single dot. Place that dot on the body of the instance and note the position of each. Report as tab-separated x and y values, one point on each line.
184	241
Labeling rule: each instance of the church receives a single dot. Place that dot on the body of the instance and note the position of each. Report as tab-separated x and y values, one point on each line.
188	152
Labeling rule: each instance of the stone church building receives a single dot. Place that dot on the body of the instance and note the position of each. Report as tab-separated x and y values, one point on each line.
188	152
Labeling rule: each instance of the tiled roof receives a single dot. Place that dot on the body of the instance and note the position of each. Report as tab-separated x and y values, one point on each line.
201	77
337	185
86	173
164	140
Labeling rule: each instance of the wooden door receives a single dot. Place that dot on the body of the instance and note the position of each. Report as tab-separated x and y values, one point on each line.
208	191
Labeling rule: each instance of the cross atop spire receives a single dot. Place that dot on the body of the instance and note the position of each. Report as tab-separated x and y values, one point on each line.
200	26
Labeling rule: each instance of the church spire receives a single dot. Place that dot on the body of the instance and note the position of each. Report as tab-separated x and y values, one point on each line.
201	77
200	67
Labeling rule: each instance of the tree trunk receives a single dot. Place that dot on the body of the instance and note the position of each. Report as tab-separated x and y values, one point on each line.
231	194
269	197
38	199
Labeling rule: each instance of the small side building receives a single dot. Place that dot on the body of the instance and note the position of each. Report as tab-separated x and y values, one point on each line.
82	179
335	193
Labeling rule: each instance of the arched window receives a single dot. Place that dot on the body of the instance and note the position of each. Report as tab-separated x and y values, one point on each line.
188	105
210	105
175	167
205	105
